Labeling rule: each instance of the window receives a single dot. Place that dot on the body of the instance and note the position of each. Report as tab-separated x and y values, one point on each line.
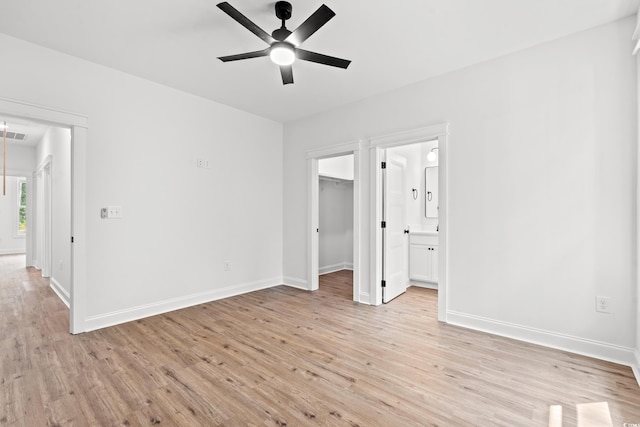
22	207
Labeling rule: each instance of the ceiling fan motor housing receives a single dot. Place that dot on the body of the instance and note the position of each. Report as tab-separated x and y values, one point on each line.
283	10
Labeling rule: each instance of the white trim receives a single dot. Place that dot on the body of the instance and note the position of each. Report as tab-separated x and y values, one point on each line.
636	33
635	367
313	224
333	150
410	136
426	285
294	282
78	278
60	291
17	251
591	348
78	124
43	236
45	163
160	307
365	298
313	201
52	116
635	49
335	267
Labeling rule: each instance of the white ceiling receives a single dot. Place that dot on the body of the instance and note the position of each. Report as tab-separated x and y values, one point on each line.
392	43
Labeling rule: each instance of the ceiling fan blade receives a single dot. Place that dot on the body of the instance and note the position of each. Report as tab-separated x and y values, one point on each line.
245	22
287	74
248	55
311	25
305	55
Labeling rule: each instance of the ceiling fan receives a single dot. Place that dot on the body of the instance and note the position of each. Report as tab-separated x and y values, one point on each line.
283	44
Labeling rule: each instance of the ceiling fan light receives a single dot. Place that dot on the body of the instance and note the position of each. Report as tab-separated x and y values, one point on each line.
282	53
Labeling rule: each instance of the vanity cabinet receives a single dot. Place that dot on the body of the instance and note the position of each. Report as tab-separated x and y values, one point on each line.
423	257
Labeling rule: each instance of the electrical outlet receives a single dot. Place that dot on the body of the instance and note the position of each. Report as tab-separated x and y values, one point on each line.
602	304
227	265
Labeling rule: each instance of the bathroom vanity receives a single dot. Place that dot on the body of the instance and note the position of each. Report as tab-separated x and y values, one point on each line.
423	258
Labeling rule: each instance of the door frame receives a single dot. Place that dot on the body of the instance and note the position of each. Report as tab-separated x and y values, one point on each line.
78	124
377	145
313	208
43	216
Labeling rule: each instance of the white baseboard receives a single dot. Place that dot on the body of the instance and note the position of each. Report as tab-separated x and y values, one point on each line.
427	285
335	267
62	293
294	282
636	365
18	251
365	298
591	348
147	310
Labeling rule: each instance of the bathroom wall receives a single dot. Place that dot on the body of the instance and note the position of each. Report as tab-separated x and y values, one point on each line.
416	155
429	224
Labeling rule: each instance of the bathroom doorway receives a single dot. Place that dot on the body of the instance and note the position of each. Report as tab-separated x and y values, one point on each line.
380	146
410	213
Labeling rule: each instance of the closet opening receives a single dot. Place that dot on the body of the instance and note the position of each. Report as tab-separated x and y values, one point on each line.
335	224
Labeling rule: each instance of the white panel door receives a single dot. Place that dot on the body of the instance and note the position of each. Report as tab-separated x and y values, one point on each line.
396	250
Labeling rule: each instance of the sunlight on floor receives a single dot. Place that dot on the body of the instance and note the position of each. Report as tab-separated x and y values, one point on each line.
589	415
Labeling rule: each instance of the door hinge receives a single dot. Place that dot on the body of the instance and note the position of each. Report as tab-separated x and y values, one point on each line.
384	283
384	165
71	239
383	224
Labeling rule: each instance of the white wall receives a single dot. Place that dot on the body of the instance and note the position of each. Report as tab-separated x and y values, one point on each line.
180	223
335	244
337	167
56	142
541	176
21	160
10	242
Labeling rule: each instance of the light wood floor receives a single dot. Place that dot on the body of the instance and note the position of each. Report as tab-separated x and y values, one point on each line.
284	357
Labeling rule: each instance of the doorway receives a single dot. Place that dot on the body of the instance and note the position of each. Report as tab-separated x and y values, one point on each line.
410	216
378	150
77	125
45	150
313	267
335	235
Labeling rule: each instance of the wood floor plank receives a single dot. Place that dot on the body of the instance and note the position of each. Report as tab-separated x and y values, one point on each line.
285	357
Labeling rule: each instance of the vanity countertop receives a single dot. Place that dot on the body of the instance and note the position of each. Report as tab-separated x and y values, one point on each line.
424	232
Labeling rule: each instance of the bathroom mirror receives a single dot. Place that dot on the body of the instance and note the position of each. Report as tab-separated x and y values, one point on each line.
431	192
